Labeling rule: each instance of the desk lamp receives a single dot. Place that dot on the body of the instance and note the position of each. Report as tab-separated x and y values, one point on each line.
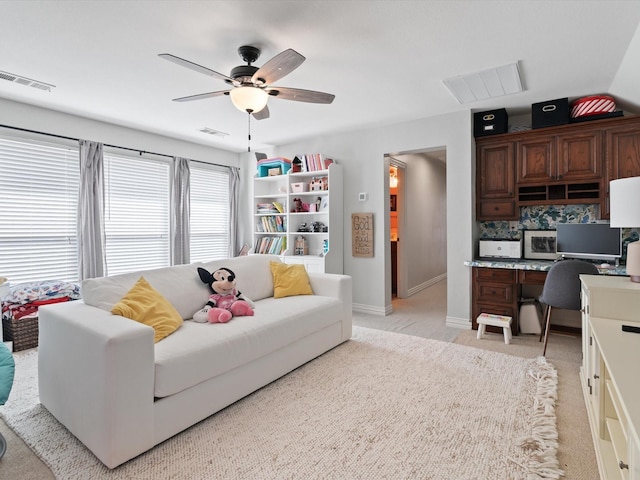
625	212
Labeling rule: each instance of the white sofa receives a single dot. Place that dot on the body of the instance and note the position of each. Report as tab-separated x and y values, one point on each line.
104	379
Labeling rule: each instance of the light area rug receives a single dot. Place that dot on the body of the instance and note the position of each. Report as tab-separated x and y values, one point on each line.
382	405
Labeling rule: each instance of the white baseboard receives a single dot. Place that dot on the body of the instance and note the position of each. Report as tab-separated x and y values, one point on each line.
456	322
361	308
427	284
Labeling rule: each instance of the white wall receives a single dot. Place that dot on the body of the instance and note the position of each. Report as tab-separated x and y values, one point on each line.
29	117
425	236
362	155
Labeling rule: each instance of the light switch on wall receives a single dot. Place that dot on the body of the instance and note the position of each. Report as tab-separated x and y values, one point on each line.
362	196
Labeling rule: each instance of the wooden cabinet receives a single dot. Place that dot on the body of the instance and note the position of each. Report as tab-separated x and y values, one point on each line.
609	380
276	232
622	154
536	160
570	156
495	290
567	164
496	182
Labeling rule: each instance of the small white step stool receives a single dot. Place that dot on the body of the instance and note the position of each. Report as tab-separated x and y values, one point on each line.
503	321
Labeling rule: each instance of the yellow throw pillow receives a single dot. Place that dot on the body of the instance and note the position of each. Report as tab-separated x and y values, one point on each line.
145	304
289	280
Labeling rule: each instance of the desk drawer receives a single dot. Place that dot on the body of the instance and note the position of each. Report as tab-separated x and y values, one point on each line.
531	277
497	293
494	274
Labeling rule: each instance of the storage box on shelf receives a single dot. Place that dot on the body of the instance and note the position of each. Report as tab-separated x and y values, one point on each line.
312	208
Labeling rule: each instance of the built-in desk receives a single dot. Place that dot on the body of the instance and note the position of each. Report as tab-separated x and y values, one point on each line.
497	285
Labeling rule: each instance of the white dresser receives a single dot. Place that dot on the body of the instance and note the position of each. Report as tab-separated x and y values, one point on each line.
610	373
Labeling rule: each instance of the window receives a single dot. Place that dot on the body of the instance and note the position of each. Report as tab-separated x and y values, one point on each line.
136	213
209	193
38	210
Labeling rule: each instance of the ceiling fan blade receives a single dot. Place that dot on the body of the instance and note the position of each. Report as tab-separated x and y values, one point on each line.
195	67
282	64
202	96
262	114
300	95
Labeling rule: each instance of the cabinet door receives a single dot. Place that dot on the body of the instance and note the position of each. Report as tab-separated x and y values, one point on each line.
622	156
496	182
536	160
495	171
580	156
623	152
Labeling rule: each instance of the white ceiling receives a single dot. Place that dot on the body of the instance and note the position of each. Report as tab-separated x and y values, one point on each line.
384	60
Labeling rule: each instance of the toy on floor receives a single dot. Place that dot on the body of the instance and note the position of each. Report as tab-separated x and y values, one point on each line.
225	301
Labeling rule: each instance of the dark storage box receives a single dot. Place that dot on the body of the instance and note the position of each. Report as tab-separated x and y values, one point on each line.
23	332
549	113
490	122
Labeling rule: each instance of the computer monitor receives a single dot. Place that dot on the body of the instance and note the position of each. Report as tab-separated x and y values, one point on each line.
594	241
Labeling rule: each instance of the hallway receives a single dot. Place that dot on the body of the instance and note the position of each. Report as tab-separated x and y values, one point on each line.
422	315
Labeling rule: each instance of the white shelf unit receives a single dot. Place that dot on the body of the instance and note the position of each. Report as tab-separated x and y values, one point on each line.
278	189
608	375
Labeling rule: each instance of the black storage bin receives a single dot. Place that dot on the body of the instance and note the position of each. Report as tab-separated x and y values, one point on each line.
549	113
490	122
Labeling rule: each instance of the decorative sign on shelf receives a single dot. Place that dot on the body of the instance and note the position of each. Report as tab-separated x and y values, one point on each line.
362	234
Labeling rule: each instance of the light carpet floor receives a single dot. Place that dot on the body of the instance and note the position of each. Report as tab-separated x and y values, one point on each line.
382	405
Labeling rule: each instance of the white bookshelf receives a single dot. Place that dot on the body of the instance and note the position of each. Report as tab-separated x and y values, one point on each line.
279	189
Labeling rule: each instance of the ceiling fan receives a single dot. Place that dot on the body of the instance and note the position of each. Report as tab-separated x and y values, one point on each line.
252	86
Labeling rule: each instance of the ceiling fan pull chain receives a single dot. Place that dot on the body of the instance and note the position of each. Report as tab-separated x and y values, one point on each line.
249	127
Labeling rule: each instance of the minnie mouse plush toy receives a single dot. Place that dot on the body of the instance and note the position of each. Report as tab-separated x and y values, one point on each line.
225	301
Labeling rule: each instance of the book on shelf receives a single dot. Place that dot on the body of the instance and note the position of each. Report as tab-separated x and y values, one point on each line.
270	245
314	162
271	224
267	208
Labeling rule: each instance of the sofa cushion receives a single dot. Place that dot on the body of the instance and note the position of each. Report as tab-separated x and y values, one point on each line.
200	351
253	275
179	284
289	280
145	304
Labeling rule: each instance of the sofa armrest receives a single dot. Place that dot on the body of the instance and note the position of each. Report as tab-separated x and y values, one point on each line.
337	286
96	376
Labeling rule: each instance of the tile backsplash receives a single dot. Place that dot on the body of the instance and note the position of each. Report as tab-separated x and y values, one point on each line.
547	217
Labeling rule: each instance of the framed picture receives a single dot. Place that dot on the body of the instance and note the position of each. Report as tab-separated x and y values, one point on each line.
540	244
393	202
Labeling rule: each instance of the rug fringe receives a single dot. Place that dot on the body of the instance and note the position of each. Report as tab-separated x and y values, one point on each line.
542	443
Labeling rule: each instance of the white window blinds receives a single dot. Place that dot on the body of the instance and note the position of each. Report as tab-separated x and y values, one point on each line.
136	213
209	212
38	210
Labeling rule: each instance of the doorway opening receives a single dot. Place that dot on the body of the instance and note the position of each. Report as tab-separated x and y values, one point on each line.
417	221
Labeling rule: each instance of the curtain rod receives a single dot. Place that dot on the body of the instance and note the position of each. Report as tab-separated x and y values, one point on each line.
105	144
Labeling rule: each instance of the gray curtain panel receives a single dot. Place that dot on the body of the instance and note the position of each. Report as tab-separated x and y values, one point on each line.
234	220
180	211
91	236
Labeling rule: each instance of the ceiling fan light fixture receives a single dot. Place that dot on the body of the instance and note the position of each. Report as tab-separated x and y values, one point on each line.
249	99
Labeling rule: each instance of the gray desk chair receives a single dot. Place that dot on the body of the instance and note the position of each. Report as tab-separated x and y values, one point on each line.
562	289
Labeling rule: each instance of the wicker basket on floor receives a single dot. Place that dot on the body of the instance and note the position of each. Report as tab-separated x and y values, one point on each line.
23	332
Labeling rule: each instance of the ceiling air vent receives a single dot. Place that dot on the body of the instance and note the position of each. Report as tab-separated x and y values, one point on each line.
215	133
26	81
